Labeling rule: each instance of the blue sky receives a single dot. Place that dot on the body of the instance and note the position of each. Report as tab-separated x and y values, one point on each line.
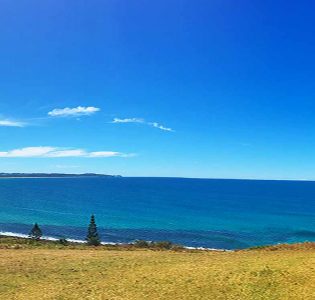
219	89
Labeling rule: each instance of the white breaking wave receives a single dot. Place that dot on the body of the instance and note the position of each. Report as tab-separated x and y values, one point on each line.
46	238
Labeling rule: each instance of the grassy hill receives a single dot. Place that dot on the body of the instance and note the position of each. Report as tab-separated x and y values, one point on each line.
51	271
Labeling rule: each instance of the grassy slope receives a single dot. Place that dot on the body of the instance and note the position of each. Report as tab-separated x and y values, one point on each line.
45	272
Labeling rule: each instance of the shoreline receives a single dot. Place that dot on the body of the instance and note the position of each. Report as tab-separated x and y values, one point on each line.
82	242
16	239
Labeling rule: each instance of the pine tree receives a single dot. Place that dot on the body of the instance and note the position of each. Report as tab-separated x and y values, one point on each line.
36	232
92	237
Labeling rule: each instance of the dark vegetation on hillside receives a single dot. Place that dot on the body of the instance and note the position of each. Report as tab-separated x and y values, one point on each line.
36	175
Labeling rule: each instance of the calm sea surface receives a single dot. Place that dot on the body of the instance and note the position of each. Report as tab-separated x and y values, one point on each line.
225	214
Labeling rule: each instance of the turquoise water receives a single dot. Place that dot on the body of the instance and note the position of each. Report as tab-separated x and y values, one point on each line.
225	214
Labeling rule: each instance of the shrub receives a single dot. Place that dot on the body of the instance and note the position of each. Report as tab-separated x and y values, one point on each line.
163	245
63	242
141	244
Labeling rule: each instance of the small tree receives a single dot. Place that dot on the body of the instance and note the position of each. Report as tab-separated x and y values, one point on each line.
35	233
92	237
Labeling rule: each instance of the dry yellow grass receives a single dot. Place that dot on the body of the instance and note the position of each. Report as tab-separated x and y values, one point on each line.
144	274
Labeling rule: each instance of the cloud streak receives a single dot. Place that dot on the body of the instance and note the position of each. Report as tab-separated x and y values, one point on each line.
141	121
73	112
50	152
128	120
11	123
159	126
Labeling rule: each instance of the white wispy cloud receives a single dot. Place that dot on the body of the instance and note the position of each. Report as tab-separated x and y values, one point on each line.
109	154
73	112
128	120
47	151
142	121
11	123
159	126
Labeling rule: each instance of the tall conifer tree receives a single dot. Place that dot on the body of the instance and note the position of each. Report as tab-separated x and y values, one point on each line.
92	237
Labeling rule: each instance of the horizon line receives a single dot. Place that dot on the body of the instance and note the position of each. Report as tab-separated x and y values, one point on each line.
143	176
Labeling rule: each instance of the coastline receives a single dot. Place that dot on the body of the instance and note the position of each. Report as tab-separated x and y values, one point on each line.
76	241
44	238
12	240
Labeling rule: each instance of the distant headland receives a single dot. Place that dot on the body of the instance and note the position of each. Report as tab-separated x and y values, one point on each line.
54	175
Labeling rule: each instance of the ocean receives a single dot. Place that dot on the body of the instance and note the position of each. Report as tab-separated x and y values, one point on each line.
211	213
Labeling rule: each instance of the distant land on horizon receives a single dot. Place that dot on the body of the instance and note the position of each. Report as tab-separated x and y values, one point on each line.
42	175
67	175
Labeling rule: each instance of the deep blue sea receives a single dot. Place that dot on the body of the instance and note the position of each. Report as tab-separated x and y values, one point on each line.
225	214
